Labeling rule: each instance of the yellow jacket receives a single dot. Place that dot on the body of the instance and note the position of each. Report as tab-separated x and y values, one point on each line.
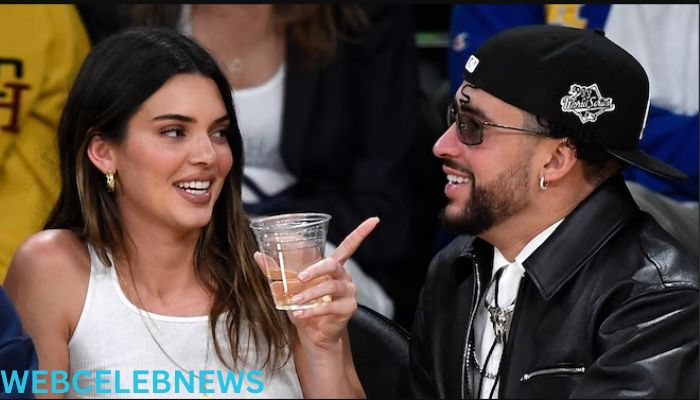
41	50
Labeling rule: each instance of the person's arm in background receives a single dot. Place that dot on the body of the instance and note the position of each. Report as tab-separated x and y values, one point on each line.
42	49
17	353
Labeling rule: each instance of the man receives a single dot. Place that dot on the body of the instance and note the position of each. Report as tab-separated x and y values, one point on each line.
662	37
564	288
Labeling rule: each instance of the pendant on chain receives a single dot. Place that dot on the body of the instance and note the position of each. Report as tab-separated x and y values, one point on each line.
500	318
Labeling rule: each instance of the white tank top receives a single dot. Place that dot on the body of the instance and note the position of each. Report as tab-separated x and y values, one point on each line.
111	335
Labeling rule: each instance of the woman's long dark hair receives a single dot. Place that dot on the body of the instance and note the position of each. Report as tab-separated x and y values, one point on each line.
116	78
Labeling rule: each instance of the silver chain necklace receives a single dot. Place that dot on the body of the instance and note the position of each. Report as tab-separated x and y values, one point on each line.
141	311
479	369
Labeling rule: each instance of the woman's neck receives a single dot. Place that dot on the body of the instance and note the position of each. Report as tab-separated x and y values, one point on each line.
238	27
161	269
240	36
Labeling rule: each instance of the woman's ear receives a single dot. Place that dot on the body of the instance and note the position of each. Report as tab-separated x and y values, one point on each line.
562	159
102	154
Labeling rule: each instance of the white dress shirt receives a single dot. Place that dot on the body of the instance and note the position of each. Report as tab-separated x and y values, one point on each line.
508	284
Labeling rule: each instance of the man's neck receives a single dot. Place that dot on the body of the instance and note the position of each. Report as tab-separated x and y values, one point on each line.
512	235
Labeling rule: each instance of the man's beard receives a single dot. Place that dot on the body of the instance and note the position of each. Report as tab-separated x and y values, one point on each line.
492	204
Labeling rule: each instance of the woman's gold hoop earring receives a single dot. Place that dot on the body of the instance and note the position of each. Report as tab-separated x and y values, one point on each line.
543	184
110	181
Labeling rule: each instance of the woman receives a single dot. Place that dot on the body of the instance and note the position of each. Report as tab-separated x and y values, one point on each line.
326	97
147	261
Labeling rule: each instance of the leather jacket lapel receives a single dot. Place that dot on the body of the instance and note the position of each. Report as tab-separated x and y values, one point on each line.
603	213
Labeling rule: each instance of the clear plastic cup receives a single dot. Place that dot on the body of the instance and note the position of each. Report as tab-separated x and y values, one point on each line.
289	244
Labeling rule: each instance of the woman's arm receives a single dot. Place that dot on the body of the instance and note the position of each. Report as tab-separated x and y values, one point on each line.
329	372
320	340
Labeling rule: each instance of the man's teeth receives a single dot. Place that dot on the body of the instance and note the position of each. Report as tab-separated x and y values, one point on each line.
456	180
194	187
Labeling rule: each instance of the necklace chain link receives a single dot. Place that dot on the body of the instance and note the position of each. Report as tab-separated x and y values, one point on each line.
141	310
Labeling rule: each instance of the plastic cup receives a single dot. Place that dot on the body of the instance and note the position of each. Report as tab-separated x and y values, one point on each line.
289	244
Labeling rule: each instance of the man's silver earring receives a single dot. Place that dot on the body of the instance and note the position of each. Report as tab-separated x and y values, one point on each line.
543	184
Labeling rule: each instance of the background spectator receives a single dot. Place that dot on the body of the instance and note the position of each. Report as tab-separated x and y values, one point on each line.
41	48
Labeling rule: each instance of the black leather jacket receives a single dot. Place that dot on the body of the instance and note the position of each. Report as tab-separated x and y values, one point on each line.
608	307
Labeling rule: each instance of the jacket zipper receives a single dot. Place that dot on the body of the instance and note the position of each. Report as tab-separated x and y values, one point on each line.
550	371
475	301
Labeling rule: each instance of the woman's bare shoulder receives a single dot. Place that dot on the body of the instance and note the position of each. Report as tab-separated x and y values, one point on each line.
49	273
53	252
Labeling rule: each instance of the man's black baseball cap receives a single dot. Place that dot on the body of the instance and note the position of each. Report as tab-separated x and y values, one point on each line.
576	78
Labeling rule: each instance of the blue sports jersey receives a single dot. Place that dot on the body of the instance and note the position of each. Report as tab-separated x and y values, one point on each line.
664	38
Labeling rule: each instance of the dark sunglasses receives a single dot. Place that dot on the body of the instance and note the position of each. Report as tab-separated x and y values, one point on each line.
470	130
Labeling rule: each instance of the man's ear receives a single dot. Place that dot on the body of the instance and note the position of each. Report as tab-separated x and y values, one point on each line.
561	158
102	154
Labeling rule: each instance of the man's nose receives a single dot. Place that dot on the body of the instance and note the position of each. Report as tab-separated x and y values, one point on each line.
448	145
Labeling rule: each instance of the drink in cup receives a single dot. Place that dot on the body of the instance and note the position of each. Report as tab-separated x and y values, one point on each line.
290	243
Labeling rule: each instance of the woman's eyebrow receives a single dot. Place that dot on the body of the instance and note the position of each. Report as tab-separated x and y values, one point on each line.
178	117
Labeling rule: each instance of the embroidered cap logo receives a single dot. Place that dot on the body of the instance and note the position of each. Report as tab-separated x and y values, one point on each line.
586	102
471	64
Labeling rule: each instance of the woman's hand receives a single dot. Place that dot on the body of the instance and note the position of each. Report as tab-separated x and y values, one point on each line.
320	343
321	326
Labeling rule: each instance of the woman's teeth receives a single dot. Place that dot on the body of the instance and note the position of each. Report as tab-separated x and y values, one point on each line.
194	187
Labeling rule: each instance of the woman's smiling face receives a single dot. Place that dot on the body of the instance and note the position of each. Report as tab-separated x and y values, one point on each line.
175	158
